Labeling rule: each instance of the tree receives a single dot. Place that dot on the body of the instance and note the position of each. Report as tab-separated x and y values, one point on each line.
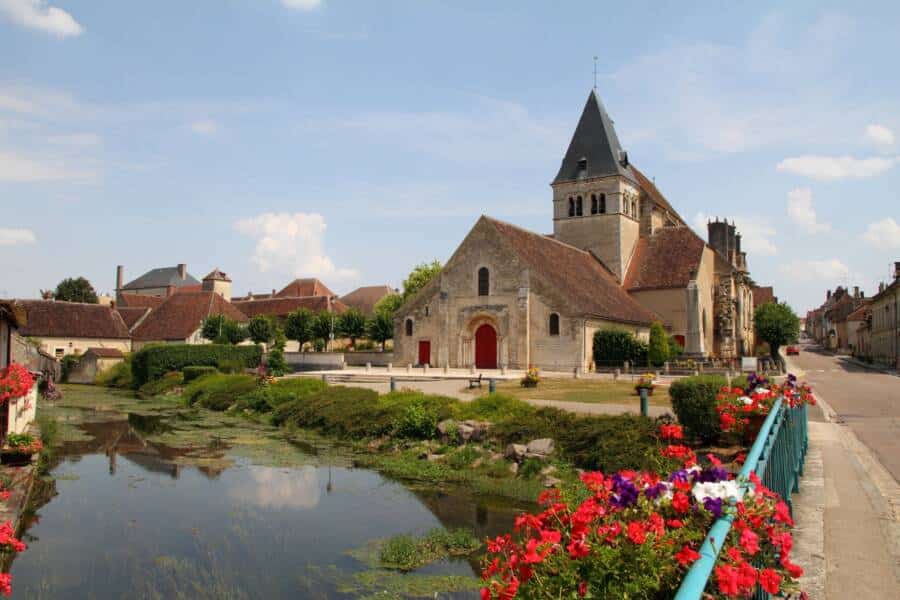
322	328
380	328
352	324
212	327
75	290
219	329
389	304
776	325
261	329
298	326
419	278
658	351
276	363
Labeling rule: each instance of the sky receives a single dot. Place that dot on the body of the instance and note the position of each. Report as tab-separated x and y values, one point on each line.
351	140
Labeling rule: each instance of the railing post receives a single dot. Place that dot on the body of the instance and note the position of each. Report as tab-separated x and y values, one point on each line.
492	385
393	384
645	402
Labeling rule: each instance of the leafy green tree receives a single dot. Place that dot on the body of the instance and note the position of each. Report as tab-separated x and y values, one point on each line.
276	363
419	278
323	325
352	324
675	348
298	326
658	351
233	332
212	327
389	304
75	290
380	328
261	329
776	325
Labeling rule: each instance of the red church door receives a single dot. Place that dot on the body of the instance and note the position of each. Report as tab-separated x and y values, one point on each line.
424	352
485	347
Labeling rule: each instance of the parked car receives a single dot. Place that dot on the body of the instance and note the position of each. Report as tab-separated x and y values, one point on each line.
793	350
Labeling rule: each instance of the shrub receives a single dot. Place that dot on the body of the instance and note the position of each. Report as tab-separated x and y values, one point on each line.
543	422
230	365
218	391
615	346
495	407
694	402
267	398
351	413
417	421
154	361
675	347
463	457
161	386
117	376
196	372
658	350
66	365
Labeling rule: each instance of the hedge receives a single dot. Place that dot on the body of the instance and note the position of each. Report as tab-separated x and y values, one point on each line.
152	362
615	346
195	372
694	402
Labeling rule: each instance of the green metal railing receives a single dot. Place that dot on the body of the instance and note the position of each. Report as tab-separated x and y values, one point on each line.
777	458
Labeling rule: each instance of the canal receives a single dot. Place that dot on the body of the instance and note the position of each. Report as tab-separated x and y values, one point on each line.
143	500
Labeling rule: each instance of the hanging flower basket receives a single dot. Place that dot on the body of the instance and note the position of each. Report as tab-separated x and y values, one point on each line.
15	381
19	448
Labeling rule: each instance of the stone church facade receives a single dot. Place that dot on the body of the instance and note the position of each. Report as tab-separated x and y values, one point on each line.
620	256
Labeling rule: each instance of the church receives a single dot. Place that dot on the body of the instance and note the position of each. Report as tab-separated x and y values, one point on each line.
620	256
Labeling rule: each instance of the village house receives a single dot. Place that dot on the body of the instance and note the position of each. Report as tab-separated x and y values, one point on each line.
619	256
93	362
365	298
856	324
12	316
885	325
179	318
63	328
763	295
163	281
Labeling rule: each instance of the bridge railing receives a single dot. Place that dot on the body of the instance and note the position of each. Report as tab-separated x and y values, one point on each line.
777	458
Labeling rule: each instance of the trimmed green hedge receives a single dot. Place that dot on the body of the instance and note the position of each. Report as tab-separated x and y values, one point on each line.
615	346
694	402
196	372
152	362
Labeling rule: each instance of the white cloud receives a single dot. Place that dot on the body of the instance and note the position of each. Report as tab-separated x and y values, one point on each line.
883	234
19	169
302	4
205	127
756	233
801	211
830	168
277	488
292	244
35	14
13	237
880	135
821	271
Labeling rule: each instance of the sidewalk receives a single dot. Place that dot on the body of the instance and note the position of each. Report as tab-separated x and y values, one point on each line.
848	517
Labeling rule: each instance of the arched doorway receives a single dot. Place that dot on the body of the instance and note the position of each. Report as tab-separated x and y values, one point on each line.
485	347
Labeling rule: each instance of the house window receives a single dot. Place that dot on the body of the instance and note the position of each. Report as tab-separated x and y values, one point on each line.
484	281
554	324
602	203
593	204
427	311
571	207
578	207
409	327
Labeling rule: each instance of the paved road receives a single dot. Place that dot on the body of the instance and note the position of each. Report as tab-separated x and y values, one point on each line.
867	401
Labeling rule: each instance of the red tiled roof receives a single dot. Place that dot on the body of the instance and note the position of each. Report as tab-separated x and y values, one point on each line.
763	295
48	318
132	314
651	190
281	307
364	299
860	313
188	289
106	352
140	300
669	258
182	314
300	288
587	286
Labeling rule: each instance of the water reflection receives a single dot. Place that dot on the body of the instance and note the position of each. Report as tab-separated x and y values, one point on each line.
126	517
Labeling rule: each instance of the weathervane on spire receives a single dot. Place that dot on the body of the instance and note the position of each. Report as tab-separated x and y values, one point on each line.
595	73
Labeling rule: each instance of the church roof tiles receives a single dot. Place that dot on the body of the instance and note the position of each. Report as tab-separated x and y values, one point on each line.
669	258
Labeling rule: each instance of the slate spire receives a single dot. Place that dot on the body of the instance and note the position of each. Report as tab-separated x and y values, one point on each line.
594	150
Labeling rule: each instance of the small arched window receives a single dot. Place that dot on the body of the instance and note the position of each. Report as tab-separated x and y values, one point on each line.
579	209
602	203
634	209
571	207
554	324
409	327
593	204
484	281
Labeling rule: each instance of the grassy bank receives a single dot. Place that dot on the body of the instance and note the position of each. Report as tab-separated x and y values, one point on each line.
581	390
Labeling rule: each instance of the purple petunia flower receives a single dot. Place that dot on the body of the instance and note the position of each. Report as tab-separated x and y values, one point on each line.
713	505
625	493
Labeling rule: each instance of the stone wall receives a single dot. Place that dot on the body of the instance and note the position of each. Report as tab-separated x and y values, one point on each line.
315	361
376	359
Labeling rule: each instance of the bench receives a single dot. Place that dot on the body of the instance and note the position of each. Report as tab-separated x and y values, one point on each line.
476	382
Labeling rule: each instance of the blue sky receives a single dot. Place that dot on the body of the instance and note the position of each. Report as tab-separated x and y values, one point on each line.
350	140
